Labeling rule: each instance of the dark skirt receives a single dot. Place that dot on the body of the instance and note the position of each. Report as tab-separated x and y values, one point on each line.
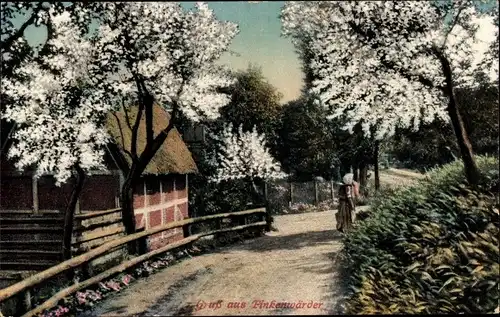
344	216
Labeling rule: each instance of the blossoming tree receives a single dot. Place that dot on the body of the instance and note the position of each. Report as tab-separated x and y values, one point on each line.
141	53
244	155
162	53
58	108
14	47
388	64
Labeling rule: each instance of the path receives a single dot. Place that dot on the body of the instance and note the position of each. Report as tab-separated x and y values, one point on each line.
297	263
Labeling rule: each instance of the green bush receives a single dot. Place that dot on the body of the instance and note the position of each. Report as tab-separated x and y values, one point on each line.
429	248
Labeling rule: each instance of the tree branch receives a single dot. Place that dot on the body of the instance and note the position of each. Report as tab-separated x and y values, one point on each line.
127	117
455	20
135	129
50	35
446	67
132	157
154	146
6	45
148	101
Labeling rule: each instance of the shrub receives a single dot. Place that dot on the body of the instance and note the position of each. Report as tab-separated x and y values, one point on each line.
429	248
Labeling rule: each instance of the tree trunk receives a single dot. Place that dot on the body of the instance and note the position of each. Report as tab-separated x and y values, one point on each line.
375	166
127	206
363	175
69	214
135	171
356	173
471	170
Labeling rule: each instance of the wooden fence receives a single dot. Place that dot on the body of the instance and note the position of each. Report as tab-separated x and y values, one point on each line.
94	229
282	195
239	221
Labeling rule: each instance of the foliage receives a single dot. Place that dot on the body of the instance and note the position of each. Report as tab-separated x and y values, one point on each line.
207	198
426	148
429	248
481	116
380	62
430	146
168	52
307	142
14	47
16	50
254	103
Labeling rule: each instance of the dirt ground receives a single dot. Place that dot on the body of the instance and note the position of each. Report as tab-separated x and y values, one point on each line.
295	267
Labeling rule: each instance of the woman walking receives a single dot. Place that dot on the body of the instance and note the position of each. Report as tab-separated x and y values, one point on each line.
347	193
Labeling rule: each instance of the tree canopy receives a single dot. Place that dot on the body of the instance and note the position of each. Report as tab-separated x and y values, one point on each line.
388	64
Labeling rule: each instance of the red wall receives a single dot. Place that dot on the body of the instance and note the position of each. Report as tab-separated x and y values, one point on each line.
100	192
158	200
16	193
52	197
165	201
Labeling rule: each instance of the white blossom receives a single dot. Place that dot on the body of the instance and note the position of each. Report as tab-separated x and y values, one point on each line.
172	50
57	108
244	155
369	57
61	101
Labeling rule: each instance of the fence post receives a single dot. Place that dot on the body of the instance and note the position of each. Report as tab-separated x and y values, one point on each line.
269	219
316	198
332	192
27	301
23	302
142	243
186	230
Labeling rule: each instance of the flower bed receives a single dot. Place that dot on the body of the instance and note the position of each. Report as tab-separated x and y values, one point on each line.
86	299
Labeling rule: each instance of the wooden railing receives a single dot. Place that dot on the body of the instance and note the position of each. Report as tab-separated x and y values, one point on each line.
93	229
24	286
96	228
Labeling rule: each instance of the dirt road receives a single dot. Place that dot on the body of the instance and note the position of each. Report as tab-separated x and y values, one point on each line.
295	267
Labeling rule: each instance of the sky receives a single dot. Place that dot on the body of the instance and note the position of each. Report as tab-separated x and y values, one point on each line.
259	42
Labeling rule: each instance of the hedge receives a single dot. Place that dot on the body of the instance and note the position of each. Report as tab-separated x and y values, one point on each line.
430	248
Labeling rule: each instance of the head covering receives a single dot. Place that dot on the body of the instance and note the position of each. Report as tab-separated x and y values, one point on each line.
348	179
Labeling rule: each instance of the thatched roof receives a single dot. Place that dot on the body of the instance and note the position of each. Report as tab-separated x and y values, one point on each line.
172	158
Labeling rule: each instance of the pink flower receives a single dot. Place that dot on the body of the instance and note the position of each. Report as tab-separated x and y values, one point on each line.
81	300
113	285
126	279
